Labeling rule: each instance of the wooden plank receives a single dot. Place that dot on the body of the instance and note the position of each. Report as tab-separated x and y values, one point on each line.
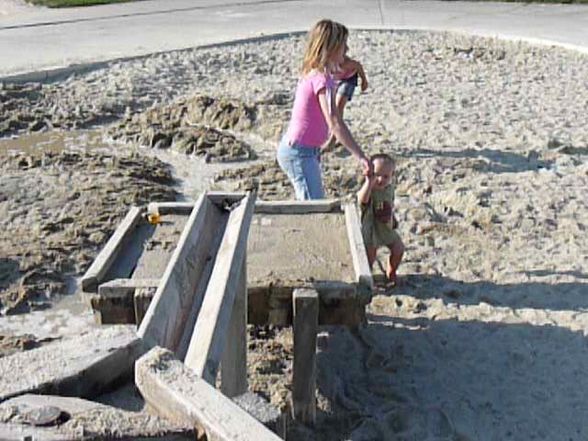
219	198
164	320
268	207
298	207
108	254
222	199
306	308
209	336
363	273
171	207
200	290
117	285
339	303
177	393
234	360
114	302
82	366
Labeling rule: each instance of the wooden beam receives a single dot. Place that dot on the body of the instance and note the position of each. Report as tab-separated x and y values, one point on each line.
222	198
200	290
306	308
108	254
209	336
177	393
268	207
298	207
363	272
234	360
165	319
170	207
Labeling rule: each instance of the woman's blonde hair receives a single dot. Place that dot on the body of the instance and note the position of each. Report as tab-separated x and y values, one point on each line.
322	40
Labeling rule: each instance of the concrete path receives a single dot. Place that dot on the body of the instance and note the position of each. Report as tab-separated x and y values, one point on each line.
43	42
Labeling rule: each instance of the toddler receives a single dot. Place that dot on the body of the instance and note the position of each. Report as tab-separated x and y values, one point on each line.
378	222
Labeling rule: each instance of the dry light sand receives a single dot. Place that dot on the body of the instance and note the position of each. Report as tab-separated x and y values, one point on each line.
486	336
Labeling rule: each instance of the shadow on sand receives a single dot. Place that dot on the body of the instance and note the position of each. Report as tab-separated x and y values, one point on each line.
400	379
497	161
568	296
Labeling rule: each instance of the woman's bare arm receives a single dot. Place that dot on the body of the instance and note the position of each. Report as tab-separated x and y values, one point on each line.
340	130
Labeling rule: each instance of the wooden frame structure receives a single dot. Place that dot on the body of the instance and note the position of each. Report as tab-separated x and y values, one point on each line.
198	307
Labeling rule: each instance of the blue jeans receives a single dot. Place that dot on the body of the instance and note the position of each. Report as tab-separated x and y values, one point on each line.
347	86
301	164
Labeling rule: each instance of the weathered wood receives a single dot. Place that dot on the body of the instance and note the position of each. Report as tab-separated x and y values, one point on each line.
267	207
165	319
126	285
219	198
171	207
199	292
177	393
298	207
339	303
209	336
114	302
82	366
306	308
363	273
108	254
222	198
142	298
234	360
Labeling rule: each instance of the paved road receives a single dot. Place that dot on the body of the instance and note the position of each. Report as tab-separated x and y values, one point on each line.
41	41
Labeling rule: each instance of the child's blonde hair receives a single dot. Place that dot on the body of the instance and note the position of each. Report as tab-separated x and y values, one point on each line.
384	157
325	37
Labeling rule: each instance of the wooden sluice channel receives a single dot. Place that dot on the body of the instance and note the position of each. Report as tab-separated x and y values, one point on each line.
193	280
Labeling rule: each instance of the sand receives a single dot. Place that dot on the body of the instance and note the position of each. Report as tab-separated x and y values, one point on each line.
485	337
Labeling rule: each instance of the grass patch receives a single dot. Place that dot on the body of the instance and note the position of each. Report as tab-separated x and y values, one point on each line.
70	3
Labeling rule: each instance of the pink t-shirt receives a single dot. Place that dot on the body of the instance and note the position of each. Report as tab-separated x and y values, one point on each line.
307	124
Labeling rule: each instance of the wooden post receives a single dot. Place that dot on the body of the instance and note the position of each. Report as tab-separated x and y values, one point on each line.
234	361
306	306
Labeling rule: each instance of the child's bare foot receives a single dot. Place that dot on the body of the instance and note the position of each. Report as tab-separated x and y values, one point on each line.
391	273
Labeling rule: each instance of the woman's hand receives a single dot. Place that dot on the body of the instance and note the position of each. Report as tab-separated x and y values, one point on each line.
367	166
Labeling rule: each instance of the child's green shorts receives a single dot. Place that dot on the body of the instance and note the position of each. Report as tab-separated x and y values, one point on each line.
377	235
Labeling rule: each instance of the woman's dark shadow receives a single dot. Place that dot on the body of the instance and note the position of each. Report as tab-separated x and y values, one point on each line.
496	161
568	296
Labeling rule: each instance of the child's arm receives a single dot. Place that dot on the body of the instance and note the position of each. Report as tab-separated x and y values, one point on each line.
365	192
353	65
361	73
